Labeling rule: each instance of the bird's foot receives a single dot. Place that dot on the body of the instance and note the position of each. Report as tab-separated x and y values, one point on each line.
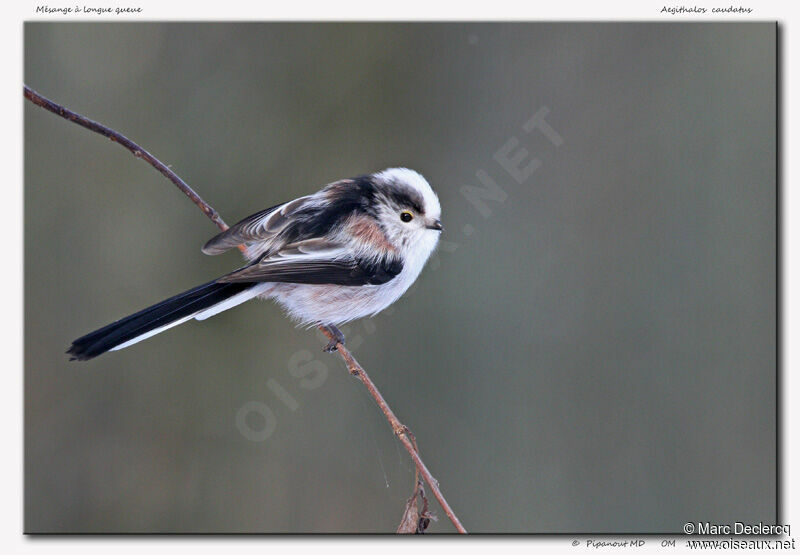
337	337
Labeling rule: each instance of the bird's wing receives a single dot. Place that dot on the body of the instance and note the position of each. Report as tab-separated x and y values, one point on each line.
261	226
318	261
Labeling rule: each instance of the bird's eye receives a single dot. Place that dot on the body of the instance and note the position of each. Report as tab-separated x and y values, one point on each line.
406	216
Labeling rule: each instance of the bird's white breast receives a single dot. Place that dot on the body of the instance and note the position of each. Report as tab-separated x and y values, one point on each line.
337	304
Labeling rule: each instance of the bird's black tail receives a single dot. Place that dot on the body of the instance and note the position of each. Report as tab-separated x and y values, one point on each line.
154	319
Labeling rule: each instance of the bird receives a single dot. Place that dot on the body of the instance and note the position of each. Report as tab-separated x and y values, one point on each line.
345	252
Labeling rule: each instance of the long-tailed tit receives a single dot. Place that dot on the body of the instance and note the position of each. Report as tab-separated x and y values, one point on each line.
345	252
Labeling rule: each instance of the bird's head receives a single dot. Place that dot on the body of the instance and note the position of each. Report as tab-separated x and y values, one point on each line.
407	209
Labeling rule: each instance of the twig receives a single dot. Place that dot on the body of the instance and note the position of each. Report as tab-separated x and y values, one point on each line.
401	431
135	149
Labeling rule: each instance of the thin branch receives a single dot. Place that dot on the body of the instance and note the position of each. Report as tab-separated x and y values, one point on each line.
400	430
135	149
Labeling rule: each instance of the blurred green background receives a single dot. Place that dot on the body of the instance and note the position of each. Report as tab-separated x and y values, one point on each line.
593	348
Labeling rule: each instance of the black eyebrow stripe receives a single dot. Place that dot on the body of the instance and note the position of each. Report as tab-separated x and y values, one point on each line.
408	199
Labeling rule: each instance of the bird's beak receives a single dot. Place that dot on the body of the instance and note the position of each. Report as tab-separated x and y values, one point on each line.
435	224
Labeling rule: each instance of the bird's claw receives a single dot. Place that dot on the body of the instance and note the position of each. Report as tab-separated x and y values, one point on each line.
331	346
337	338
